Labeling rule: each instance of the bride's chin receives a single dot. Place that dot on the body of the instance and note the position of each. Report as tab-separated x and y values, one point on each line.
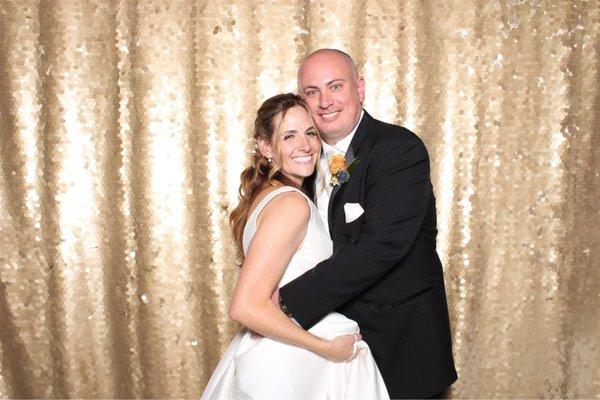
301	177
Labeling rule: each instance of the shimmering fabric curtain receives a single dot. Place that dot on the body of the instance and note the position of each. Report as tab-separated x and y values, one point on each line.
124	126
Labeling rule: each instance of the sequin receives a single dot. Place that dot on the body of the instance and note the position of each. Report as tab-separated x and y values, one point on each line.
124	127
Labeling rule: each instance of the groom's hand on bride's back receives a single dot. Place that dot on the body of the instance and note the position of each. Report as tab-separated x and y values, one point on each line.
275	297
275	300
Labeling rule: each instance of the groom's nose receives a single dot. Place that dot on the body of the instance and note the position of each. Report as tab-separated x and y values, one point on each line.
325	99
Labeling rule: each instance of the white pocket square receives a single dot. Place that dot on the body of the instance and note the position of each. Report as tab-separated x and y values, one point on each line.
352	211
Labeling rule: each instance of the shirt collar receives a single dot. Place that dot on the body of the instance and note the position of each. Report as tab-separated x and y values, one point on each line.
342	145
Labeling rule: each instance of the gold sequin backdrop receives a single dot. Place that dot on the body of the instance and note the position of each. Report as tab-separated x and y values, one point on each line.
124	127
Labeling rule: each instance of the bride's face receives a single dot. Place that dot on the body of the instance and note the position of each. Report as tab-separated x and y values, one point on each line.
298	144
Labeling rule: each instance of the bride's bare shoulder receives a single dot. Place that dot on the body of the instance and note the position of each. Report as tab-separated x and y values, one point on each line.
264	192
289	205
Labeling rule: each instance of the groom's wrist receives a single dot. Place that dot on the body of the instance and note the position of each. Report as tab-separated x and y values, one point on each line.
284	308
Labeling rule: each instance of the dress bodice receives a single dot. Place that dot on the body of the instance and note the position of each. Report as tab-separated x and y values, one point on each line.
315	247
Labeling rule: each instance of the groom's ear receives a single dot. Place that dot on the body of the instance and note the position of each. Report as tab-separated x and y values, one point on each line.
265	147
360	85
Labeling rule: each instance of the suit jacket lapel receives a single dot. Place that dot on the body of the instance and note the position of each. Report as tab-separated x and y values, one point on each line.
359	135
348	157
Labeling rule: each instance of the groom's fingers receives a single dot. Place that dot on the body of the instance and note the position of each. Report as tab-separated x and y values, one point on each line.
275	297
255	335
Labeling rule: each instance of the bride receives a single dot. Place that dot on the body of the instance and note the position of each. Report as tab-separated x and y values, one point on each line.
280	235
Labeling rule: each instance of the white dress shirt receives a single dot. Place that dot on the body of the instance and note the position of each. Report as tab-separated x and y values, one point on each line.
323	186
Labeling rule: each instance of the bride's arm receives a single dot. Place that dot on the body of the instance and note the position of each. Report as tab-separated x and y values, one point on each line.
281	229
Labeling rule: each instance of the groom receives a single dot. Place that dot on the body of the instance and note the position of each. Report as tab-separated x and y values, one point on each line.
384	272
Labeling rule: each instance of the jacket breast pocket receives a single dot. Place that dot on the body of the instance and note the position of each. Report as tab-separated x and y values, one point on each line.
351	230
390	306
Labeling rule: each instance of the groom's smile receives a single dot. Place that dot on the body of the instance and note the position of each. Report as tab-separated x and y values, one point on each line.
330	116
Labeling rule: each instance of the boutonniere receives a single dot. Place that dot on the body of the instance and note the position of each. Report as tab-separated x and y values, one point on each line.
340	172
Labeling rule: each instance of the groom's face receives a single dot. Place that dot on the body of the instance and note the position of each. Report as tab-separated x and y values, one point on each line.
333	93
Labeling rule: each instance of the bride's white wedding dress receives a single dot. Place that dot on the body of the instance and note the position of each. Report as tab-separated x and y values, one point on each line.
261	368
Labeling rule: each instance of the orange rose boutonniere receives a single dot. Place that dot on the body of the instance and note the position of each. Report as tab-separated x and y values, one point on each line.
340	172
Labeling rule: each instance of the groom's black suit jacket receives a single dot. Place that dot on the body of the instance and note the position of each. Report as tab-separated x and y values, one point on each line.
384	272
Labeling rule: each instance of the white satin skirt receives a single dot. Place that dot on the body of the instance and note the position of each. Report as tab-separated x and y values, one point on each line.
262	368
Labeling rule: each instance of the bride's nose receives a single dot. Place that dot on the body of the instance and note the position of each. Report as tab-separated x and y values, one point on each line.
304	143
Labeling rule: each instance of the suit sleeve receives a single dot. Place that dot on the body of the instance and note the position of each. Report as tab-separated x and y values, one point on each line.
397	199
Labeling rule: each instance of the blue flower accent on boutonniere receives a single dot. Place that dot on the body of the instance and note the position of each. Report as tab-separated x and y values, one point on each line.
343	176
340	172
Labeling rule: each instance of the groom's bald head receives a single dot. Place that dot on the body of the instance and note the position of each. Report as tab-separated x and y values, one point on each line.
335	52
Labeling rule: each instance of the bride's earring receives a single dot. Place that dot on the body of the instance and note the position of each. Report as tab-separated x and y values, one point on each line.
270	160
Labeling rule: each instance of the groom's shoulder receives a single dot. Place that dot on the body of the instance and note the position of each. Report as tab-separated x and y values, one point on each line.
389	136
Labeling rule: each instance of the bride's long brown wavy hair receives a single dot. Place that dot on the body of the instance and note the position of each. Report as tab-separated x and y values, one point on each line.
261	172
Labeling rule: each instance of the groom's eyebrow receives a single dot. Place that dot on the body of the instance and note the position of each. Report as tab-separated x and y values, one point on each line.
334	81
331	82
